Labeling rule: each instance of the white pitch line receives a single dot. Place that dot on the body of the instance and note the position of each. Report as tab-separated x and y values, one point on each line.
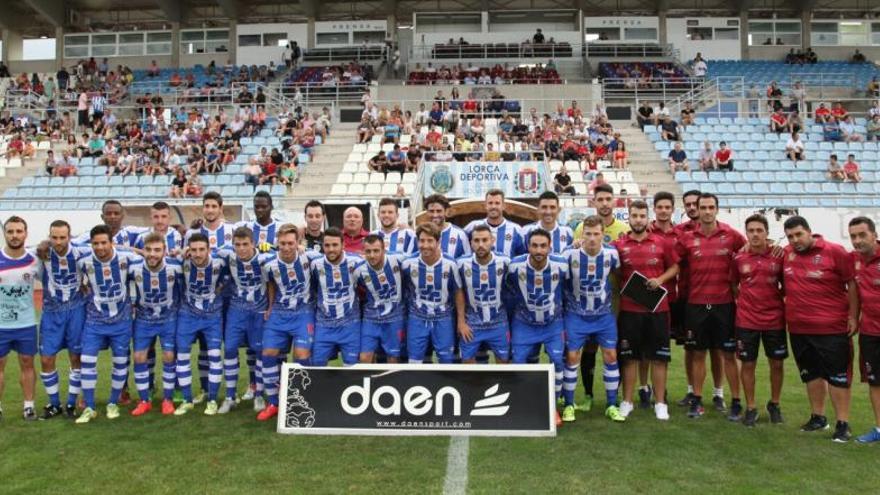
457	466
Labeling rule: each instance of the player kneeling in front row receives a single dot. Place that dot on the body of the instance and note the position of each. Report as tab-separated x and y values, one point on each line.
588	315
536	280
760	316
384	322
158	282
200	315
482	316
643	332
291	312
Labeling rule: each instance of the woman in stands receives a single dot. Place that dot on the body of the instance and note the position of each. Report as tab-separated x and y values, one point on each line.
365	130
620	156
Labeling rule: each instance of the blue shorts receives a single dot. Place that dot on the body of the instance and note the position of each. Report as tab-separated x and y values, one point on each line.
579	330
496	338
23	341
97	336
191	326
328	340
145	334
440	334
525	339
62	330
282	327
387	334
244	327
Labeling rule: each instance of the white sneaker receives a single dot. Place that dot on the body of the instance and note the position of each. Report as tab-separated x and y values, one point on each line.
661	411
228	405
249	395
259	403
625	408
198	399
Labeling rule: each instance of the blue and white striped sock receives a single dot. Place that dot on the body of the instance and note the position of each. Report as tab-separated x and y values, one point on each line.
215	373
611	375
557	367
142	380
569	383
184	375
89	379
168	380
50	382
258	374
203	367
74	386
271	376
119	377
230	372
151	366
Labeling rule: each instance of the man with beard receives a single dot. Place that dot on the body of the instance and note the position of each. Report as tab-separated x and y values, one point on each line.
453	240
396	239
508	235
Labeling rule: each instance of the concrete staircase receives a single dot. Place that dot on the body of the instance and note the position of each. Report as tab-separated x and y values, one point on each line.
647	167
30	166
320	175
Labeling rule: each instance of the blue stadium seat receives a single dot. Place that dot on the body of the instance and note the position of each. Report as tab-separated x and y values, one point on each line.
830	188
27	181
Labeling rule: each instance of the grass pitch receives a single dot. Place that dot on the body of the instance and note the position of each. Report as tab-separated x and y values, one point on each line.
236	454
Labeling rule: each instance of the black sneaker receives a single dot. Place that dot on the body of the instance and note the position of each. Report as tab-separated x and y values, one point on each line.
70	411
50	412
29	414
842	433
775	413
736	410
719	404
686	401
696	409
815	423
645	398
751	417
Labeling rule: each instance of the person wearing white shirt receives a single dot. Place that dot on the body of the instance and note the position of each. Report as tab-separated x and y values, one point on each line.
700	68
794	148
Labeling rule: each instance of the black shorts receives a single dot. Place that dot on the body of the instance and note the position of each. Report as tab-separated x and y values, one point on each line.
677	312
83	117
869	359
643	336
748	341
824	356
709	326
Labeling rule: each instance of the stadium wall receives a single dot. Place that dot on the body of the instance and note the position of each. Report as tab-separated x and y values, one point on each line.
260	55
726	49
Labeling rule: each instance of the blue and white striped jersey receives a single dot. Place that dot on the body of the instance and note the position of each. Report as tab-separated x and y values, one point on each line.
561	236
293	283
109	297
217	238
17	276
402	241
483	290
431	289
588	291
173	240
157	294
200	295
62	278
126	237
509	240
384	289
336	287
249	279
538	293
262	233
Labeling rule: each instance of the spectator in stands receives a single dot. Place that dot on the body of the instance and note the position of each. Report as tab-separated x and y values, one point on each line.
768	41
874	110
669	130
873	89
295	54
822	114
4	70
848	131
794	148
724	157
413	157
835	169
63	78
353	232
194	186
538	37
678	159
153	70
810	56
178	183
798	96
831	130
598	153
64	166
795	123
365	130
51	163
858	57
851	169
779	122
838	112
873	128
661	113
707	157
598	180
396	161
645	115
620	156
688	114
378	162
774	97
699	66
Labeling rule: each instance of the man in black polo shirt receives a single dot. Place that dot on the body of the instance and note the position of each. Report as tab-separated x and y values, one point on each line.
645	115
314	231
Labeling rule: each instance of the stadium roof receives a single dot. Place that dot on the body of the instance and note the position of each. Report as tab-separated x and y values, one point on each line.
40	17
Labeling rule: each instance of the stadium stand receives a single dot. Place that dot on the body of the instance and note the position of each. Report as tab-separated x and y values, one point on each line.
472	75
763	72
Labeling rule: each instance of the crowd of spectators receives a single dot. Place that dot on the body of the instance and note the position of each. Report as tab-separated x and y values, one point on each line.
536	46
64	89
473	75
799	57
643	75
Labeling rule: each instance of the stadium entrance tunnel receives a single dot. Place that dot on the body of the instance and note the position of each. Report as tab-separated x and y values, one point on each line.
464	211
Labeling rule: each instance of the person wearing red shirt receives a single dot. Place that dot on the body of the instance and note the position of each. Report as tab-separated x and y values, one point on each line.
821	308
839	112
708	252
760	317
353	233
643	334
724	157
863	235
851	169
823	114
778	122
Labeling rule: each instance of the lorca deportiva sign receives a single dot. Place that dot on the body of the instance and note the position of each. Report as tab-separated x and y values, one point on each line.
414	399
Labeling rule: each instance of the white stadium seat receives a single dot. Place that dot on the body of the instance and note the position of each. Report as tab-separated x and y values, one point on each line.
344	178
339	190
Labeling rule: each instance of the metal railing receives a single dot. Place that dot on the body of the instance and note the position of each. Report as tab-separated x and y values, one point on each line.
345	54
658	89
627	50
464	82
340	92
485	108
495	51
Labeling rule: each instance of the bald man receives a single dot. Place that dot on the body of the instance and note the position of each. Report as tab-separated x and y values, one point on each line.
353	232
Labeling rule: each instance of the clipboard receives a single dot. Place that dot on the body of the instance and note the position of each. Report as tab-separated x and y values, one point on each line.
635	289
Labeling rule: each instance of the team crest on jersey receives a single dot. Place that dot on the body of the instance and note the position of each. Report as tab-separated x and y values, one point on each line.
291	274
154	283
248	268
227	237
200	275
467	272
62	261
453	240
591	268
212	240
522	277
368	279
106	272
575	264
791	256
484	277
499	271
262	237
445	274
395	269
696	241
746	268
607	263
382	279
555	277
817	259
429	278
336	275
539	281
508	237
139	279
26	277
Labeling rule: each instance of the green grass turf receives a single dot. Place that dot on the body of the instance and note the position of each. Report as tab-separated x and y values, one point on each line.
235	454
